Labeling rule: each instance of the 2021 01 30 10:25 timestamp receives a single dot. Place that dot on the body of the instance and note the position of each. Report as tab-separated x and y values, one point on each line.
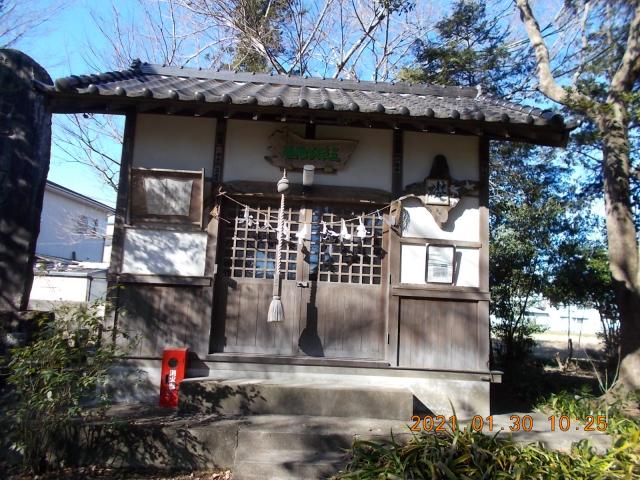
525	423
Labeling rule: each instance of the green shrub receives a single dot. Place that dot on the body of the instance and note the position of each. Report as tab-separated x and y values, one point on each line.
575	405
457	454
58	377
471	455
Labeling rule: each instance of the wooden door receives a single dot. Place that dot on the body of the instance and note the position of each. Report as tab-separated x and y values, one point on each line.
333	293
244	286
343	308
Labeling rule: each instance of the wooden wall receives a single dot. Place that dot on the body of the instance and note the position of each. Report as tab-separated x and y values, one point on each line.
442	334
165	316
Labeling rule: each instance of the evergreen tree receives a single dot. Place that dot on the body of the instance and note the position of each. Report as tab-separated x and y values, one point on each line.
264	18
533	223
529	204
600	79
469	47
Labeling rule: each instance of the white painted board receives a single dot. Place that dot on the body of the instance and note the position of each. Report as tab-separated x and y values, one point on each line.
413	266
164	252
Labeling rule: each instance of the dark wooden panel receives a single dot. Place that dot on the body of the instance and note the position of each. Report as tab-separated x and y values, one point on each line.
439	291
165	316
441	334
241	326
351	322
161	279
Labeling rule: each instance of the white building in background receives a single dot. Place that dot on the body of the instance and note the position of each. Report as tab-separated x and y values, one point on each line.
72	226
566	319
73	249
106	253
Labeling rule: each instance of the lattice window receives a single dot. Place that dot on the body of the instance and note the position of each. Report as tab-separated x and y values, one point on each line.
349	262
250	244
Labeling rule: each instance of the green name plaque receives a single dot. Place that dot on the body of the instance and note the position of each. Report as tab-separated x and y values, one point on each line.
291	151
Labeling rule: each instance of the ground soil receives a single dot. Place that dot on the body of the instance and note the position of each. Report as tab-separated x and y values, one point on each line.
111	474
542	375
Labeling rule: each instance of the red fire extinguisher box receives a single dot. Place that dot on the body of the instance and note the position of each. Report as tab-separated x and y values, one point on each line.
174	366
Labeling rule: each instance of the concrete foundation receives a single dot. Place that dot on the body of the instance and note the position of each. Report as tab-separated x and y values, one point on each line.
441	393
295	397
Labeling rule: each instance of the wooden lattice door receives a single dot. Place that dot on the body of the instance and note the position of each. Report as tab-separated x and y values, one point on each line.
343	312
244	286
332	291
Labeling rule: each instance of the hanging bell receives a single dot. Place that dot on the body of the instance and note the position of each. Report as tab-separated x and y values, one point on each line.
283	184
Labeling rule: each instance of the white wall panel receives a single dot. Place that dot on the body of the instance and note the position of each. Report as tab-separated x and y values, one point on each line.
463	222
413	265
467	267
162	252
174	142
420	149
369	166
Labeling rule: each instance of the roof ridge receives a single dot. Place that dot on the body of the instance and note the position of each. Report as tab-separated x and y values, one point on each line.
320	82
425	104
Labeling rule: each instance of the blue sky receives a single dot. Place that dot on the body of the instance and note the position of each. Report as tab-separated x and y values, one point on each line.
59	49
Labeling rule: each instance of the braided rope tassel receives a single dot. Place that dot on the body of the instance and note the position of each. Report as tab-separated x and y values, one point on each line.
276	312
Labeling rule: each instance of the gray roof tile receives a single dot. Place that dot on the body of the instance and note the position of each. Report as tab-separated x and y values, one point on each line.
400	99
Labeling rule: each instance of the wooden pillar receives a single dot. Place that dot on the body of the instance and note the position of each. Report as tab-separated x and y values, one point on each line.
120	219
393	243
25	147
218	154
393	306
396	168
122	203
484	343
213	234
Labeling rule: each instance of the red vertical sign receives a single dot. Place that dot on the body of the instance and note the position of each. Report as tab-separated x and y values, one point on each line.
174	366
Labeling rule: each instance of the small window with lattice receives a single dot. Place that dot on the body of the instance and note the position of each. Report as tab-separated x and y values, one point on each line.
250	241
356	259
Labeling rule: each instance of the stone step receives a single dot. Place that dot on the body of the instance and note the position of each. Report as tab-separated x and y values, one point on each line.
301	447
294	397
255	446
289	465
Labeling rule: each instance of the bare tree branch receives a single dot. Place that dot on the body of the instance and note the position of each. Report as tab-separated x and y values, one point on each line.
629	69
548	85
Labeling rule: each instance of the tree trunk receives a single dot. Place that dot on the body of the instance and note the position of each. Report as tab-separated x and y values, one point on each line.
621	236
629	304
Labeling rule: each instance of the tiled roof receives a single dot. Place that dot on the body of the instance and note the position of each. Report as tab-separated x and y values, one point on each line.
401	101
